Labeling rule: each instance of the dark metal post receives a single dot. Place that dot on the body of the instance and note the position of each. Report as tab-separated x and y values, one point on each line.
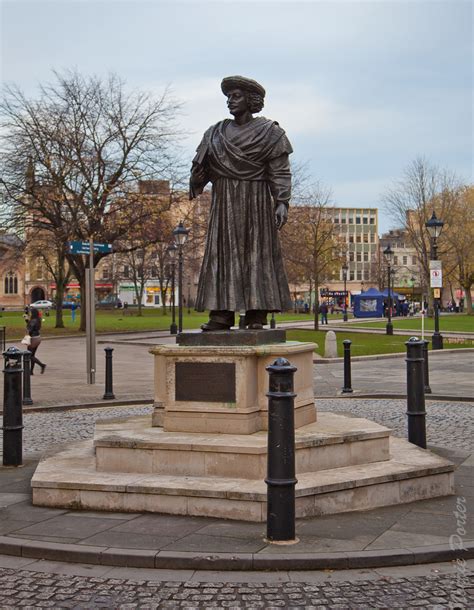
416	392
180	289
347	389
12	409
344	317
109	392
281	479
389	326
273	321
242	325
27	400
426	368
437	337
3	332
173	327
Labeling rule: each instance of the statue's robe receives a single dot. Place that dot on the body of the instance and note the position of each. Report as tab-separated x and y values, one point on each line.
250	174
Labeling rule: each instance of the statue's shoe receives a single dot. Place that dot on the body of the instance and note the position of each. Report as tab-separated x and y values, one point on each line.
211	325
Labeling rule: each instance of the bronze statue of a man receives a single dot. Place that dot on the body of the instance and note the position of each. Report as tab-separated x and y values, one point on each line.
246	160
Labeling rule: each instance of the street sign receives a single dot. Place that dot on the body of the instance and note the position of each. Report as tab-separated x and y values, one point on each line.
436	274
83	247
437	293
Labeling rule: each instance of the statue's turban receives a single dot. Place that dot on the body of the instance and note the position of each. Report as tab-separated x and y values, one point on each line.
241	82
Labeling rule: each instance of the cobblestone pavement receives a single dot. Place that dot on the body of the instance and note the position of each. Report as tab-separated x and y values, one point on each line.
449	424
49	590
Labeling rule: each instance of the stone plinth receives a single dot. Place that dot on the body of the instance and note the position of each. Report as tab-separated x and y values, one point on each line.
343	464
232	337
222	389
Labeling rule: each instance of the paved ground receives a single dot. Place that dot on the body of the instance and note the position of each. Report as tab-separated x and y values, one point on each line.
428	524
53	585
64	381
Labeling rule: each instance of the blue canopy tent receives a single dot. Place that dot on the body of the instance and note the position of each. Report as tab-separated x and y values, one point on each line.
369	304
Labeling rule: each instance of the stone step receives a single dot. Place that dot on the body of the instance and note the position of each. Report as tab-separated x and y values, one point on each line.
69	480
334	441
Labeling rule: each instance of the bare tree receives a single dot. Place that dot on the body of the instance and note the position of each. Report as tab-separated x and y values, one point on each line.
411	200
311	244
89	140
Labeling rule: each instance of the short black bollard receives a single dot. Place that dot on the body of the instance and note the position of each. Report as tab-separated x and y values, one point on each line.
272	320
347	389
242	324
109	392
27	400
281	479
416	392
426	368
12	408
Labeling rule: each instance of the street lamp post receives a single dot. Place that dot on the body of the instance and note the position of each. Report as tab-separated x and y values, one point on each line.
344	276
189	296
388	253
180	235
434	227
171	250
413	279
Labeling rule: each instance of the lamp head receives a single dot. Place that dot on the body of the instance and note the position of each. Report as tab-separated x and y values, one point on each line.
388	253
434	226
180	234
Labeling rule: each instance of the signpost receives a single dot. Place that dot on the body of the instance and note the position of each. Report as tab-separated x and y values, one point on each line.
89	248
436	274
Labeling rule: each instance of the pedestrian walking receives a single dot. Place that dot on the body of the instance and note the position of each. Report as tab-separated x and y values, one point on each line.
33	328
323	309
73	311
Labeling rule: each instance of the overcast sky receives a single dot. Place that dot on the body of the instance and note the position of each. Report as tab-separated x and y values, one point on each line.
361	88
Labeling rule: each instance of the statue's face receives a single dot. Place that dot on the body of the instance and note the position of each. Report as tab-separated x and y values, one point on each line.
237	102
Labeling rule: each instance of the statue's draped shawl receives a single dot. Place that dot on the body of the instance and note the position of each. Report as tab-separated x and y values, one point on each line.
250	174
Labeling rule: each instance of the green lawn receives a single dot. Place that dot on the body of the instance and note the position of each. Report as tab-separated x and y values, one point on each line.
364	344
447	322
121	320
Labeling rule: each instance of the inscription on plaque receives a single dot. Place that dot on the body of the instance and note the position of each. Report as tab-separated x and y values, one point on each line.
205	381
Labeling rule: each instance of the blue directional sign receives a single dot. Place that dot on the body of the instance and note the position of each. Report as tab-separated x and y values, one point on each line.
83	247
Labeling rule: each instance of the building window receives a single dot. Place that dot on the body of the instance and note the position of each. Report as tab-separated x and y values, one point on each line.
11	283
359	275
395	260
343	220
357	220
351	256
414	260
351	238
359	257
372	220
405	260
336	220
351	220
366	257
366	238
358	238
365	220
351	276
372	238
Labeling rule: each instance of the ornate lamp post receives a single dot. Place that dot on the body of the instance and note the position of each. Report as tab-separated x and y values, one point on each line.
180	235
388	253
189	296
171	251
412	280
345	268
434	227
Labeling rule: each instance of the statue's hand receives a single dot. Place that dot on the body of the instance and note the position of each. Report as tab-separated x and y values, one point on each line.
281	215
198	175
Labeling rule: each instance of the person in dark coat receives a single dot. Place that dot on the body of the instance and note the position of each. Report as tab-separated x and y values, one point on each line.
246	160
323	310
33	328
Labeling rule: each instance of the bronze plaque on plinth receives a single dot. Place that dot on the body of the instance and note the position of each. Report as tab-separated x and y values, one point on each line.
205	381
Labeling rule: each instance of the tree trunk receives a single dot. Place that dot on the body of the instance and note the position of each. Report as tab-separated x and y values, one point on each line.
468	300
59	305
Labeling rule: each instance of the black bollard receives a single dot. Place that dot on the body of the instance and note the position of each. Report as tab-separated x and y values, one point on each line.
242	325
281	479
426	368
416	393
347	389
27	400
109	392
12	408
273	321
